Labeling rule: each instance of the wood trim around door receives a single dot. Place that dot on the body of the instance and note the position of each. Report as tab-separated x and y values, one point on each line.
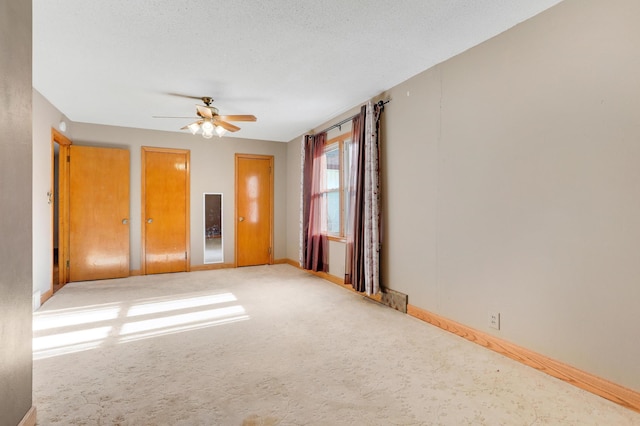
271	202
144	150
63	210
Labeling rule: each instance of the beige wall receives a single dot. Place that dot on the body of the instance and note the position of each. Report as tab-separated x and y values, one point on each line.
293	199
510	182
15	211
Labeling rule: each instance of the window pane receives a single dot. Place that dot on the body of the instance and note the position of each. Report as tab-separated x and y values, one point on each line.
333	212
346	168
333	167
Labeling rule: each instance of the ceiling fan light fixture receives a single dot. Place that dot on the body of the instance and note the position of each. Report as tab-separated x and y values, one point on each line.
220	131
207	135
207	126
194	127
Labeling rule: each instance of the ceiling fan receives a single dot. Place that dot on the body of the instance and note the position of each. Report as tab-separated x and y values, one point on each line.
209	120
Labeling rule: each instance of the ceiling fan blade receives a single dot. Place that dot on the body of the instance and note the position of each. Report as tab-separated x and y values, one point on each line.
227	126
183	95
199	122
238	117
164	116
204	111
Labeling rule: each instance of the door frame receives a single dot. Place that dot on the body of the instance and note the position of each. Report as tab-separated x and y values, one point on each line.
271	203
63	208
143	205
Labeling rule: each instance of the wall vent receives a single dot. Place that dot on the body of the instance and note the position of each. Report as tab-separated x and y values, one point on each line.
394	299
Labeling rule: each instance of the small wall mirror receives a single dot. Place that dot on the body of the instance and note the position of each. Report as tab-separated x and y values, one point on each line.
213	247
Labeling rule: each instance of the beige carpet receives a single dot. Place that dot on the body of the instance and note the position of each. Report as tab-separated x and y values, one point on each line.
272	345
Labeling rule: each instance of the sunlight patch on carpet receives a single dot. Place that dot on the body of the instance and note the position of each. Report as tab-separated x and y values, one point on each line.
64	331
182	321
172	305
72	317
73	341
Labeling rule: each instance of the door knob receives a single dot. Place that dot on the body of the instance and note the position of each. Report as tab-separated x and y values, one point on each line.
125	221
149	220
241	218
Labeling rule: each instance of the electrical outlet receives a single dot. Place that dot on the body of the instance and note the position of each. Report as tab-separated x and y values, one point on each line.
494	320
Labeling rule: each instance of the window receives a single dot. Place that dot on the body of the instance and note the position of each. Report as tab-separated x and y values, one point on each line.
336	160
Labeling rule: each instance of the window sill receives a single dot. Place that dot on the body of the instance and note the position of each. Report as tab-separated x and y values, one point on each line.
336	239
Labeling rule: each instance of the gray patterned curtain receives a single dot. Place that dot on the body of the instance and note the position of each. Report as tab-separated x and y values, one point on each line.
362	263
354	265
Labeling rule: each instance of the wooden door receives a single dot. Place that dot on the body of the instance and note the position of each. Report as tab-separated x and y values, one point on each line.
98	213
254	209
165	210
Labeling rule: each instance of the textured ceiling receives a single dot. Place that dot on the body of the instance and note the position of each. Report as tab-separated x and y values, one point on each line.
294	64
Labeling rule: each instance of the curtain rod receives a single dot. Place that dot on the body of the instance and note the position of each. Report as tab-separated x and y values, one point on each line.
380	104
346	120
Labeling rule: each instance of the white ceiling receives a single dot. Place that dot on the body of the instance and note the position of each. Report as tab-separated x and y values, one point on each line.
292	63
